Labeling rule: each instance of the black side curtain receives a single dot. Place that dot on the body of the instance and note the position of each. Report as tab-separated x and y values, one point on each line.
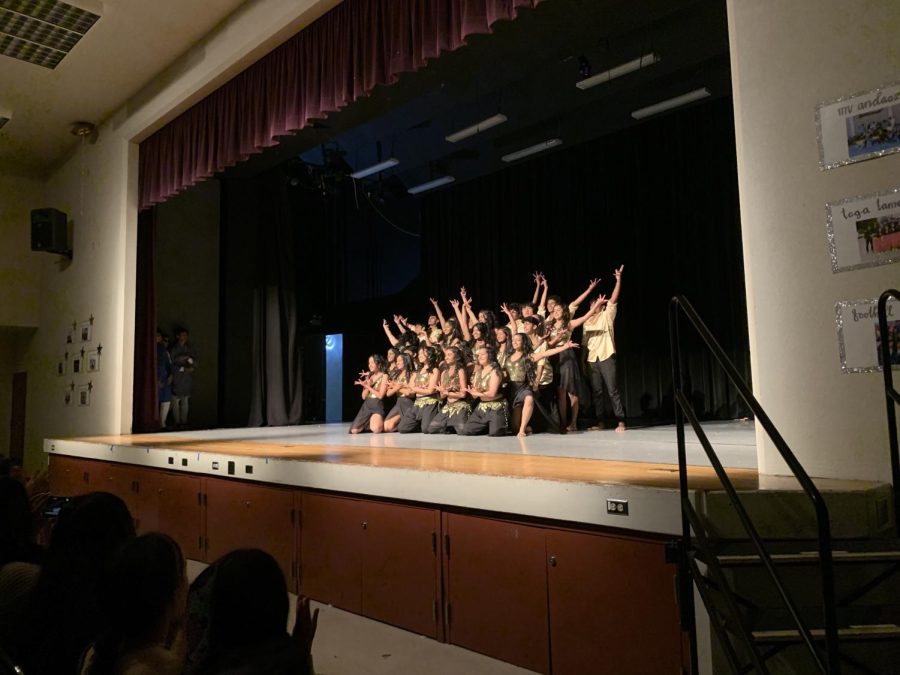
276	384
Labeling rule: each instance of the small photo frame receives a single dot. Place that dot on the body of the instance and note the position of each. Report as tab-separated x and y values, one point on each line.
77	365
83	394
85	331
92	361
69	337
68	397
62	367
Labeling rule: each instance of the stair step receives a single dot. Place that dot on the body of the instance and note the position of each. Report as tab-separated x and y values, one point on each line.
801	557
887	631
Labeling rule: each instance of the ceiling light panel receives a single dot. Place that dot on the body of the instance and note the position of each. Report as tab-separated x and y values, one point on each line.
42	31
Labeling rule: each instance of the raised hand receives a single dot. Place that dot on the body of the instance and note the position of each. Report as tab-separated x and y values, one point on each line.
536	276
504	309
618	272
573	345
433	301
462	292
305	625
594	282
384	322
454	303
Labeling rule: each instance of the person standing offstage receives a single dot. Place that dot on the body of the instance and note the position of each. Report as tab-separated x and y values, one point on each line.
184	361
600	348
164	370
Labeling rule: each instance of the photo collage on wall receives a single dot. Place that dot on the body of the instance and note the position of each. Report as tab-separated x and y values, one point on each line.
863	230
80	358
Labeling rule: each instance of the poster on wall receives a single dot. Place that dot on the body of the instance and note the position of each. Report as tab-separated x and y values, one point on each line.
859	126
83	392
864	231
859	335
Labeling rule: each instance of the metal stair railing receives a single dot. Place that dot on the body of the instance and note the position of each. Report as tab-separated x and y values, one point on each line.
689	516
891	396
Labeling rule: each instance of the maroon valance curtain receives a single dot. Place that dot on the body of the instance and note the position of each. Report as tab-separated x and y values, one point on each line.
339	58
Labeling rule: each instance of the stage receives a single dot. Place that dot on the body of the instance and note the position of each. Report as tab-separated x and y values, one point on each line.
566	477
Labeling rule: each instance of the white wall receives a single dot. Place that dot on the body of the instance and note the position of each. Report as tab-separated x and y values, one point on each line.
785	58
101	278
20	270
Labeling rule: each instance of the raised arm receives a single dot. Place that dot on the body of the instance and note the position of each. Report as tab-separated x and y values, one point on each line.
537	287
577	301
440	316
387	331
594	308
512	322
542	306
467	306
614	298
463	324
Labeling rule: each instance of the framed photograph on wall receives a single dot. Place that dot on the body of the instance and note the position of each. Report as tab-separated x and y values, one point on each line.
85	330
92	361
76	365
859	335
83	393
863	231
860	126
62	366
69	397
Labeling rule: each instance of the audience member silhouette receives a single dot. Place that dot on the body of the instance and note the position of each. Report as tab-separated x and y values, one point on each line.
142	599
63	616
237	620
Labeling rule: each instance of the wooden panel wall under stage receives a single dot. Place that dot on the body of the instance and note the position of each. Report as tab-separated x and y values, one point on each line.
537	594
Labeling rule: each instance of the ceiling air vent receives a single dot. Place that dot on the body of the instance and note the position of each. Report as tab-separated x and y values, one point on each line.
41	31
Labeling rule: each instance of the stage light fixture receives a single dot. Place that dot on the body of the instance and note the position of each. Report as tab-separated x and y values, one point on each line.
431	185
670	103
532	150
476	128
618	71
375	168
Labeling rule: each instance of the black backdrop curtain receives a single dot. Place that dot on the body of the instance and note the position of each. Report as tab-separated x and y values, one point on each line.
276	394
660	198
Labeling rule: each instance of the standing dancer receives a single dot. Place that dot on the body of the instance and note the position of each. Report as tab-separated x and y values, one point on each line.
374	385
569	374
600	345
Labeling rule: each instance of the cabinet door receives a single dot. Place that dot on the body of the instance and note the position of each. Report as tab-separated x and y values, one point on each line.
331	530
246	515
496	586
401	583
612	605
120	480
71	476
171	503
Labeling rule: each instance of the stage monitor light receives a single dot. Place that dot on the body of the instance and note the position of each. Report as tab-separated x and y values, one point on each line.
375	168
532	150
670	103
476	128
618	71
431	185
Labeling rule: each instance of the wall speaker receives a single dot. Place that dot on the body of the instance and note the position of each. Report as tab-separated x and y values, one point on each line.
49	232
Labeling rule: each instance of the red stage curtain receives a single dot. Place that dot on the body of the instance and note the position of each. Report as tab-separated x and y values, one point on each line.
333	62
145	406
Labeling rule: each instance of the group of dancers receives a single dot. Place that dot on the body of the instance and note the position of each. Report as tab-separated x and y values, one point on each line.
474	373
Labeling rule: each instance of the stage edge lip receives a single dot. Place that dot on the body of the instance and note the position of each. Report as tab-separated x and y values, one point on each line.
650	509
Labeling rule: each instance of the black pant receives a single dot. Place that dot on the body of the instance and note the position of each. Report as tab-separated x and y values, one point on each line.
603	378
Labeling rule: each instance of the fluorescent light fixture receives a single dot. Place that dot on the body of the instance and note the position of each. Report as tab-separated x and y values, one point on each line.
476	128
618	71
375	168
532	150
430	185
668	104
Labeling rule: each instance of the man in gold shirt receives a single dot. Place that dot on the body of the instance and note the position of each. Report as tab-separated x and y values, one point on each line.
600	350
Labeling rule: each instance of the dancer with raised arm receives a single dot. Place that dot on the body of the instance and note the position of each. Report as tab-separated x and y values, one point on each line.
600	346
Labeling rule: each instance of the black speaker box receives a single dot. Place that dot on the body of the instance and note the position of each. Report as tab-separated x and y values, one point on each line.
49	231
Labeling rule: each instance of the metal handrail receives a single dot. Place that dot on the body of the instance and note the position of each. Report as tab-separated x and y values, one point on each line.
684	408
891	396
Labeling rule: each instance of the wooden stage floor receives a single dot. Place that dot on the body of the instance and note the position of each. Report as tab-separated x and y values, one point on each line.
645	457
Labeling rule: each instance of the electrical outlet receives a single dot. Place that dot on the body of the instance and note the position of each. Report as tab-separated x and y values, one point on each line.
617	507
